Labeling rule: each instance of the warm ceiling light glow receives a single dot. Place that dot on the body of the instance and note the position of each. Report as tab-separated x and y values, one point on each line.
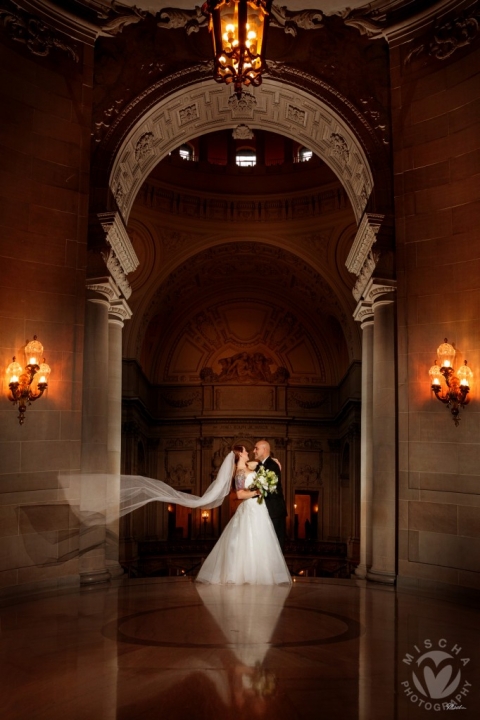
238	30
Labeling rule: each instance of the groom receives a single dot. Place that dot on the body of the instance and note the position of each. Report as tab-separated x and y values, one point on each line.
275	502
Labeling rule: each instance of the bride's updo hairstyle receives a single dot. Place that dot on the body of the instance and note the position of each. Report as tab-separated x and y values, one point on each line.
237	449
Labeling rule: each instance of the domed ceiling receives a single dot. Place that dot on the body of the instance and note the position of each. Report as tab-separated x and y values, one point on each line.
216	285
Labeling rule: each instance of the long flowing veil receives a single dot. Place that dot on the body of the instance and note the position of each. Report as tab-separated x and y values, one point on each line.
136	490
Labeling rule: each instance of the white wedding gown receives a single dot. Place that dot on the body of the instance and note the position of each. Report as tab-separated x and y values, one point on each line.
248	550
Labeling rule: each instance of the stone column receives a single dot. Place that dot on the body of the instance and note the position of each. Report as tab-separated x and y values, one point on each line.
383	567
364	315
94	460
118	312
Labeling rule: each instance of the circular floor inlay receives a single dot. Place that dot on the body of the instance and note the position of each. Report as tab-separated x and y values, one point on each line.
192	626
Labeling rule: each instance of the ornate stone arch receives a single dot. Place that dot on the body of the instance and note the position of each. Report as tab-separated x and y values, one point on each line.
204	107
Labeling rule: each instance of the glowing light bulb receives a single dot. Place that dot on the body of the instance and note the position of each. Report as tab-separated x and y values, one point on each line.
435	381
42	379
230	28
252	35
446	363
32	361
14	379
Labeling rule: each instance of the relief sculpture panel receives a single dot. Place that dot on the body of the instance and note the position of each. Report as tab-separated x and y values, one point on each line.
307	469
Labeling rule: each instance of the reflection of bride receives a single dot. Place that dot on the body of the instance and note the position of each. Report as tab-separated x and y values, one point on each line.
247	617
248	550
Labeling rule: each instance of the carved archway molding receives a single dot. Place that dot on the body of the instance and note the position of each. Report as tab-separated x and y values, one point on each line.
204	107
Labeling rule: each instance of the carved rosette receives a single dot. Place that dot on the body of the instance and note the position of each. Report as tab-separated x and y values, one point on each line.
144	146
339	148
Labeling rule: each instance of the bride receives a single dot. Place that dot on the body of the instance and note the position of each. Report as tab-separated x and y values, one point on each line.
248	550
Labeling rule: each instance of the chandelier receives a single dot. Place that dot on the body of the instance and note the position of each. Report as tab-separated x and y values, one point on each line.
22	382
457	384
238	30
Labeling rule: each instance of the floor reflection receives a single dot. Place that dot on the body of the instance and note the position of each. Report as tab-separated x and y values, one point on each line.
167	648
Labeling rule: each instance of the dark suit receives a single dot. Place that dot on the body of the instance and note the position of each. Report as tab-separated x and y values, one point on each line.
275	502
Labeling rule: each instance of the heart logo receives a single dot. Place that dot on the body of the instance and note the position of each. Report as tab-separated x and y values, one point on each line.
436	682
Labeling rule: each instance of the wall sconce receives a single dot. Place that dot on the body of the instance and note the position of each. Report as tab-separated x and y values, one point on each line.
20	381
455	396
238	29
205	516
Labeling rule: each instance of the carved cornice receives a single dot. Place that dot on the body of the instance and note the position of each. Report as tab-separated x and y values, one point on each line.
118	239
364	239
395	21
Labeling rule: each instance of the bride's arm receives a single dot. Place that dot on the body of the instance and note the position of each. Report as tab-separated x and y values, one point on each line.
242	493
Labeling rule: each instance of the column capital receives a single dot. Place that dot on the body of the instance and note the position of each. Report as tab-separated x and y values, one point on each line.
380	292
103	286
119	311
364	313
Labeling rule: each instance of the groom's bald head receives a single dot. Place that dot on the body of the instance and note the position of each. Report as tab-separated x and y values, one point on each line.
261	450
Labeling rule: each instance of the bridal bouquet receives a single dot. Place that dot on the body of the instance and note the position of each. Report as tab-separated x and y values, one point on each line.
265	481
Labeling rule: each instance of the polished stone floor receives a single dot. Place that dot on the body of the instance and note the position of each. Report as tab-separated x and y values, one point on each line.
169	649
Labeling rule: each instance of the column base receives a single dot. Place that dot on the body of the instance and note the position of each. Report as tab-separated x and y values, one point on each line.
95	577
115	569
361	571
381	576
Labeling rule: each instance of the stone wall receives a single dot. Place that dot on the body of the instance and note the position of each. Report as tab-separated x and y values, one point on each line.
45	146
436	125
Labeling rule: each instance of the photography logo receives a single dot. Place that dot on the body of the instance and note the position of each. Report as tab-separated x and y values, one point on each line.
436	681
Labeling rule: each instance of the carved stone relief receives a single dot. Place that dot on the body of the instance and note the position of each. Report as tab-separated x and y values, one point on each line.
179	469
449	37
37	36
307	469
245	368
242	132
